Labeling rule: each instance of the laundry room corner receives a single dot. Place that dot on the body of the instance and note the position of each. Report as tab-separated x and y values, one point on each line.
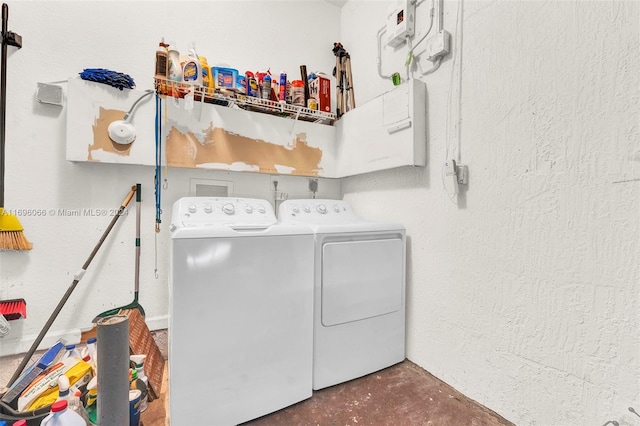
317	212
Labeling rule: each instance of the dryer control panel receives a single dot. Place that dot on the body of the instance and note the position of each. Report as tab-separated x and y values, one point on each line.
216	211
316	211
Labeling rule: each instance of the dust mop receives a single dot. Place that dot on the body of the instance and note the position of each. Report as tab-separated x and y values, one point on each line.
11	235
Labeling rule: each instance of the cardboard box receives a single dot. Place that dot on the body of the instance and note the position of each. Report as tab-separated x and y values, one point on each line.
320	90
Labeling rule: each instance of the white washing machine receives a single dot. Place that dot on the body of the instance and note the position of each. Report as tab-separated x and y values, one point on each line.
359	295
241	325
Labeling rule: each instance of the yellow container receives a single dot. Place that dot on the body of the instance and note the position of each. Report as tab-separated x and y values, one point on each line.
207	79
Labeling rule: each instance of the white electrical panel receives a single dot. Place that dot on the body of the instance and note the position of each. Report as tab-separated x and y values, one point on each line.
401	22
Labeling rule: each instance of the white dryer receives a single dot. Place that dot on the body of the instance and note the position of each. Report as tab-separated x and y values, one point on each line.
359	296
241	325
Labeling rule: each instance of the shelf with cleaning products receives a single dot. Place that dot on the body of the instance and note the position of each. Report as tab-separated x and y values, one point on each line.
223	133
237	100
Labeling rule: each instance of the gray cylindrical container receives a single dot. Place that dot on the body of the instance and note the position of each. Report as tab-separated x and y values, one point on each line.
113	370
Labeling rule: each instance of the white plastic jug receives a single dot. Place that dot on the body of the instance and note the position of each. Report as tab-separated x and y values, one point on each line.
60	415
71	352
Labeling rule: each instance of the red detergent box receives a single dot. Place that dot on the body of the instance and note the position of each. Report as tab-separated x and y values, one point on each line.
320	90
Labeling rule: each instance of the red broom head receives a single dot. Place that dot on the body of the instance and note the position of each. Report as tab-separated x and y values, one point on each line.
13	309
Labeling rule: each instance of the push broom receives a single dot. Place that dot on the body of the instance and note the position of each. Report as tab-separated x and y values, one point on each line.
11	235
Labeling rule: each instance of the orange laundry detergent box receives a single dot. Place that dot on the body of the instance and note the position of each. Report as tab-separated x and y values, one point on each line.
320	90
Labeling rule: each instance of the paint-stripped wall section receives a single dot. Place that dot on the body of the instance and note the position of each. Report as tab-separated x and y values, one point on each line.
193	134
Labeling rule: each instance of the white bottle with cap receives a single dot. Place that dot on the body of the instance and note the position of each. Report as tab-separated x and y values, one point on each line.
139	361
91	351
61	415
63	388
71	352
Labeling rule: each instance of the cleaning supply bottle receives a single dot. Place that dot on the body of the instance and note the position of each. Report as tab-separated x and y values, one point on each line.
207	77
161	60
75	404
63	388
92	347
91	353
91	402
192	70
136	383
251	84
71	352
175	69
162	66
266	87
61	415
139	362
174	74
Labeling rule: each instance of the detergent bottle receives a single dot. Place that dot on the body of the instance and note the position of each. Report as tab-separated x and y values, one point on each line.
192	70
61	415
207	78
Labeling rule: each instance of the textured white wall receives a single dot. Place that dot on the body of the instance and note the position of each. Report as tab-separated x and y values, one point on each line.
523	291
62	38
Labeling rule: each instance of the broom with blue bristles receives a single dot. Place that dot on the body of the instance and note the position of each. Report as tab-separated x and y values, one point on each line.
11	231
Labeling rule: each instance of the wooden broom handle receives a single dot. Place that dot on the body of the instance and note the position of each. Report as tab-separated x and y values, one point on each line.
66	296
123	206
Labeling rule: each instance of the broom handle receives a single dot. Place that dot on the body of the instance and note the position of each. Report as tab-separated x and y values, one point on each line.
3	96
138	212
66	296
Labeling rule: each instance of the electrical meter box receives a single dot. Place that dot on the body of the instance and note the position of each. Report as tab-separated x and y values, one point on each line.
401	20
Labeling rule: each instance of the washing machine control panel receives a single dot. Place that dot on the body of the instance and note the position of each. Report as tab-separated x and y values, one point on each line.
211	211
316	211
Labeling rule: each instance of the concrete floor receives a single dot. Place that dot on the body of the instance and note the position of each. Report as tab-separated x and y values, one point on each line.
401	395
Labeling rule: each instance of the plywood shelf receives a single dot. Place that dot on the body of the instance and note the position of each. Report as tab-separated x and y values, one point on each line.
220	132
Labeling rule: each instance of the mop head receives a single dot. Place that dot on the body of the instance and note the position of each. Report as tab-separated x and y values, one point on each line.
112	78
11	235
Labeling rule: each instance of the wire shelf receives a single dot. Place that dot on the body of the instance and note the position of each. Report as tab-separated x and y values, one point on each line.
232	99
